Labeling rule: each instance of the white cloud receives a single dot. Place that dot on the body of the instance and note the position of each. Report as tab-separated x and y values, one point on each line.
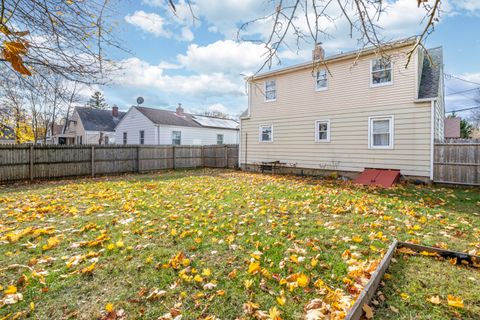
469	5
140	74
218	107
148	22
223	56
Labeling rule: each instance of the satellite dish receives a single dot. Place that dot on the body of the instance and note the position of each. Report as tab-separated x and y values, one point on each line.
140	100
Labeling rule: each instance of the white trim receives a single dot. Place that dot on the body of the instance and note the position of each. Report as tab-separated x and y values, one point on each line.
171	137
265	90
260	133
327	121
383	84
315	78
432	138
391	118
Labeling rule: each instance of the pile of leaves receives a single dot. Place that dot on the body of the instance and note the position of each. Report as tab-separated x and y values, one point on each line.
209	244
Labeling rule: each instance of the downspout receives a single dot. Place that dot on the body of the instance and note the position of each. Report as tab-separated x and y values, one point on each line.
432	137
158	134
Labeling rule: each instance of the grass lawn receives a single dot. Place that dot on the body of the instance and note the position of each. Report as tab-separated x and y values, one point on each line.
419	288
211	244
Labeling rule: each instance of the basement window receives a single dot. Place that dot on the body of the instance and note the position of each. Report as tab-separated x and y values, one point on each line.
270	90
266	133
381	72
380	132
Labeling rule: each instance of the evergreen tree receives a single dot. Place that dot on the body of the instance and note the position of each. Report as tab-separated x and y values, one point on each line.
97	101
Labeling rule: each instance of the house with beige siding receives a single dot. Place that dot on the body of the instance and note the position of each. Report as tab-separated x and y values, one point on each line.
347	112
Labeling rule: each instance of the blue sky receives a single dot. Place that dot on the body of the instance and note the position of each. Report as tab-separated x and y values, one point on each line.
202	64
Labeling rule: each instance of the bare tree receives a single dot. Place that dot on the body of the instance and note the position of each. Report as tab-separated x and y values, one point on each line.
475	113
292	22
66	38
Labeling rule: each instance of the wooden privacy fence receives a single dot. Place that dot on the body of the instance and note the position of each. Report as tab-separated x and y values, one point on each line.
457	162
29	162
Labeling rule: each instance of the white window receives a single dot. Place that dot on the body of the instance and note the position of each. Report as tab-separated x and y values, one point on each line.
142	137
270	90
322	131
124	138
321	82
177	138
219	138
380	132
266	133
381	72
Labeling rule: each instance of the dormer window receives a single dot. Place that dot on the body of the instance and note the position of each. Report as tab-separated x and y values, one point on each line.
270	90
381	72
321	82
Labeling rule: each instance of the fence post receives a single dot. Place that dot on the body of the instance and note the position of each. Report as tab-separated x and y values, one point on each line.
31	162
203	157
138	159
226	156
93	161
174	158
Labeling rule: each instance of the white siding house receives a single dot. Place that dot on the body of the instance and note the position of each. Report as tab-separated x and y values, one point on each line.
348	112
92	126
151	126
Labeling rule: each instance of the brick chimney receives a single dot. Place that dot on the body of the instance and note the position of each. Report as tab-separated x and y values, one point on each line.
115	111
179	110
318	53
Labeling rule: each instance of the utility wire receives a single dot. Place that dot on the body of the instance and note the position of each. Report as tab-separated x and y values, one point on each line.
464	91
465	109
447	75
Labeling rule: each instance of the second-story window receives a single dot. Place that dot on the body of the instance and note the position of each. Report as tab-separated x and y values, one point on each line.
381	72
321	80
142	137
124	138
270	90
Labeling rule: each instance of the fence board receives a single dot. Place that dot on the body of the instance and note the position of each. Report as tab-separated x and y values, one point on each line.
457	162
49	162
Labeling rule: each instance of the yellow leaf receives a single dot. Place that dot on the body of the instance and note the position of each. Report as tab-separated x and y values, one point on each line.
434	300
368	311
281	299
11	290
404	296
119	244
32	306
206	272
456	302
88	269
253	267
313	262
357	239
302	280
109	307
15	47
274	314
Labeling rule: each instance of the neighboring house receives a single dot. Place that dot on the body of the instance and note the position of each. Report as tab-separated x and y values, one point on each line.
347	112
452	128
143	125
7	135
56	136
92	126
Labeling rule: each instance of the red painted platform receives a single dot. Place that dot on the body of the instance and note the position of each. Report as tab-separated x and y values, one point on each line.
382	177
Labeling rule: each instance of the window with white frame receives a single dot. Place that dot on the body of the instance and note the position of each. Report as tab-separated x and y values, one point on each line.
177	138
270	90
380	130
321	82
142	137
266	133
381	72
322	131
219	138
124	138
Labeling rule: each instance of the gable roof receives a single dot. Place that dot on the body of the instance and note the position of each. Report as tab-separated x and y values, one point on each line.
171	118
6	133
98	120
431	74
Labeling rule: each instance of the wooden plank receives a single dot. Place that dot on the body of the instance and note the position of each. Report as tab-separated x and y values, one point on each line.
367	293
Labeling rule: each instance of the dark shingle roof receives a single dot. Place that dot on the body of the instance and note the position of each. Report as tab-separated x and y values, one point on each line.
431	74
98	120
167	117
6	133
171	118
